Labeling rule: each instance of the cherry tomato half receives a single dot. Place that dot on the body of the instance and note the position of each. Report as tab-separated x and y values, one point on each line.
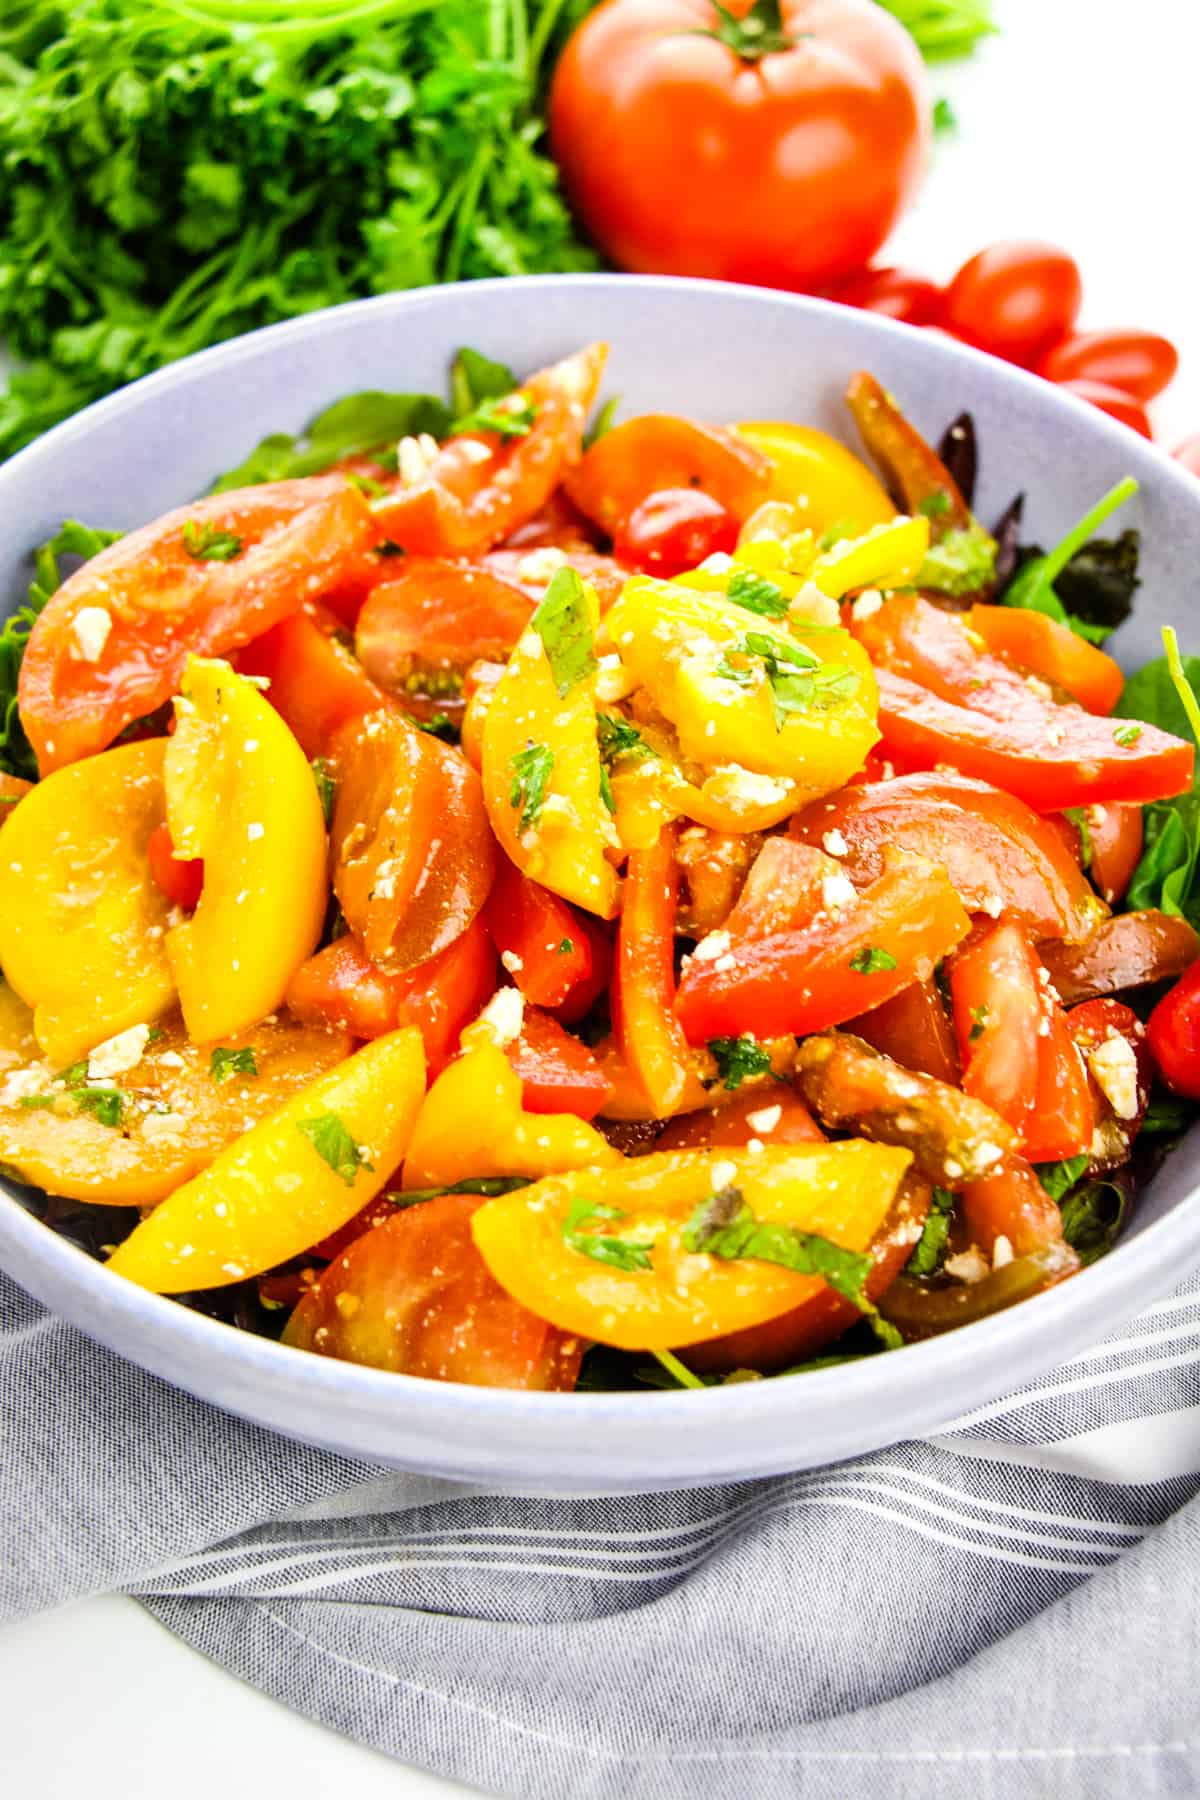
1140	363
896	293
674	530
1173	1031
1112	401
1015	299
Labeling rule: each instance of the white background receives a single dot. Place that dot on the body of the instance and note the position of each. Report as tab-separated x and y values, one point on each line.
1074	126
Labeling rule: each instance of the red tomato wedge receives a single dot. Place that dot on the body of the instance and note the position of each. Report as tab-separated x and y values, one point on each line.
1064	1119
413	853
295	540
647	1033
1053	651
553	955
657	451
914	1030
784	889
1115	835
435	618
316	683
775	1115
181	880
341	986
996	991
413	1295
1000	855
479	488
1013	1204
834	968
1051	763
558	1072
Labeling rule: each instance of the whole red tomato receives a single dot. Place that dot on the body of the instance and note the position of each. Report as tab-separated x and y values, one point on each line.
1113	401
1140	363
896	293
775	143
1015	299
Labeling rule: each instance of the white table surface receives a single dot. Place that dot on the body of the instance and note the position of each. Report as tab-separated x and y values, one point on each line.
1074	127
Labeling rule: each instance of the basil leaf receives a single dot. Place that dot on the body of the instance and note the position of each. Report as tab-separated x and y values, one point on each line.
224	1063
206	543
563	621
871	960
335	1146
531	771
355	426
724	1226
737	1058
475	378
1092	1217
630	1255
748	589
617	738
929	1253
1058	1178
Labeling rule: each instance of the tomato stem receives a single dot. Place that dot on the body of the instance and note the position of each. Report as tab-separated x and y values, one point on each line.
754	34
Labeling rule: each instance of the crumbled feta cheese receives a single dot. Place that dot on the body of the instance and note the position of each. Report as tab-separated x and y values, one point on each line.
613	680
838	891
726	964
91	626
503	1016
988	1154
1002	1252
542	564
22	1084
710	948
719	563
250	746
721	1174
254	831
742	787
992	905
834	844
969	1266
1114	1067
170	1059
512	962
867	604
811	604
412	461
765	1119
1041	688
755	1146
384	887
162	1125
116	1054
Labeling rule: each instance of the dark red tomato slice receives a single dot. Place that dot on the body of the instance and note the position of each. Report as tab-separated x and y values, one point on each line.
1063	1121
544	943
316	683
1119	1103
1173	1030
1011	1204
673	530
558	1072
1140	363
797	1335
341	986
769	1115
288	542
914	1030
842	963
435	619
413	1295
1015	299
896	293
1115	838
479	487
413	853
1113	401
1000	855
1128	951
996	994
181	879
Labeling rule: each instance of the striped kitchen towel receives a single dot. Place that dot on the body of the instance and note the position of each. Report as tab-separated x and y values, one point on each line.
1010	1608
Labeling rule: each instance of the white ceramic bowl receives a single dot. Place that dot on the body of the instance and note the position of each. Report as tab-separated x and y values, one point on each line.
720	353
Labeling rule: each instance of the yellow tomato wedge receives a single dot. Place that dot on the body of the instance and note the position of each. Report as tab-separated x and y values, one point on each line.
241	795
747	695
82	922
541	763
472	1124
816	474
890	556
298	1175
668	1295
18	1043
132	1138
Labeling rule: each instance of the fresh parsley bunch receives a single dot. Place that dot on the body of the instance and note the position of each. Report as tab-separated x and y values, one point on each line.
176	175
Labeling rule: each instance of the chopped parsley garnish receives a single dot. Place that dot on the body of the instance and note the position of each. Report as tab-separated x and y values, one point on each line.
1127	736
334	1145
961	563
930	1250
370	489
606	793
737	1058
798	679
871	960
512	416
566	947
753	591
1079	818
224	1063
935	504
617	738
106	1105
440	725
629	1254
531	770
563	621
205	543
980	1020
326	787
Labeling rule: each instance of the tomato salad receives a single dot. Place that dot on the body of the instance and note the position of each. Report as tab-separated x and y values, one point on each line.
540	908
